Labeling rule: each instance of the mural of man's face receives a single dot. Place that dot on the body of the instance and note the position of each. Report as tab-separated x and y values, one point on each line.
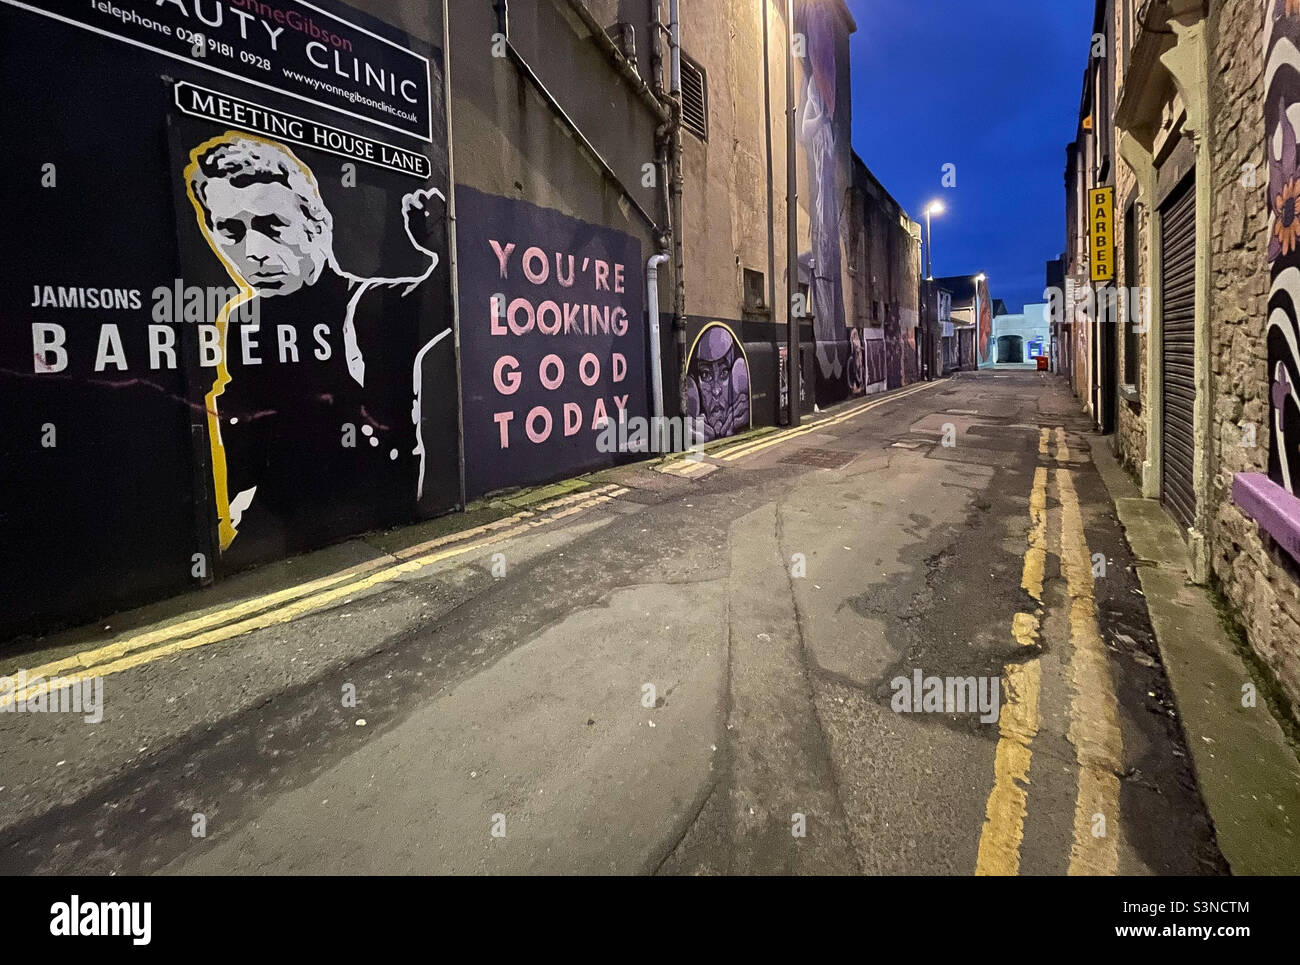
262	230
715	392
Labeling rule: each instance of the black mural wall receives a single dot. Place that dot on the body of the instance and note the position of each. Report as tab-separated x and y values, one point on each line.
225	323
553	340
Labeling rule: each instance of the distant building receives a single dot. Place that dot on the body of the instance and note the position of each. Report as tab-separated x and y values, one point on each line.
972	320
1023	337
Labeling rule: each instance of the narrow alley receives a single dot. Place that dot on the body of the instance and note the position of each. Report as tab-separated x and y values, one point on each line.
765	601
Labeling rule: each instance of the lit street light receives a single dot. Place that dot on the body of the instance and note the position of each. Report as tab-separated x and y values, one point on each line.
934	207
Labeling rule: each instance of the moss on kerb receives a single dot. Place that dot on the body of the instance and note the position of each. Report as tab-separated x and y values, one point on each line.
1267	685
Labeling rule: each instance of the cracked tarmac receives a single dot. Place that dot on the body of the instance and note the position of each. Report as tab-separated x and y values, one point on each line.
522	696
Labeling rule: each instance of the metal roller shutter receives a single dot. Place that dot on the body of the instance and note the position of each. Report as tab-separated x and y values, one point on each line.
1178	321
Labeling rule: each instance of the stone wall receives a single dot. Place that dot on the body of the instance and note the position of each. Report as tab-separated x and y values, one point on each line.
1260	583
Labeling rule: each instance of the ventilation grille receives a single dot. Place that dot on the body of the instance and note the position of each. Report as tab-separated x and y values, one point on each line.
695	99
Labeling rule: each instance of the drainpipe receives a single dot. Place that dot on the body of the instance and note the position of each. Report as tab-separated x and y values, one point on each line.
453	271
652	304
771	210
623	63
679	253
792	218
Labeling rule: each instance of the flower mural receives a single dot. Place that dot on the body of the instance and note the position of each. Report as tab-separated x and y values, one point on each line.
1281	116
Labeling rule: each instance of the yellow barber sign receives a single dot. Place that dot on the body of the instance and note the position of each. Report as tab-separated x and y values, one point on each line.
1101	231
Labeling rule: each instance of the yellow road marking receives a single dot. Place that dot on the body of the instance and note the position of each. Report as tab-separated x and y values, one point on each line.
117	657
1094	725
684	467
1062	449
215	618
1008	803
754	445
1031	578
1044	436
750	448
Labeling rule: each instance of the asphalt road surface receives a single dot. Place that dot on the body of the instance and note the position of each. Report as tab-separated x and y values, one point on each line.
702	670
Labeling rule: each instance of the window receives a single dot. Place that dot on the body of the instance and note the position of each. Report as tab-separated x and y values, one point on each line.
695	99
755	290
1130	282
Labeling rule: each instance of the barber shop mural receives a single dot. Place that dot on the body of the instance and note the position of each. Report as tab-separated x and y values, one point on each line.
316	413
225	326
715	386
1282	121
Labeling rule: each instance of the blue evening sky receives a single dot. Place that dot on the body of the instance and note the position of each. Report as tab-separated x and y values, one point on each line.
993	87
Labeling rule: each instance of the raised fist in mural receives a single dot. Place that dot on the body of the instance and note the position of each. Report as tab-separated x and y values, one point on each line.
425	212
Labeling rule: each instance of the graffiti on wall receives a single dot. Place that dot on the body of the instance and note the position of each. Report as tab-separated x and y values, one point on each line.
285	443
1282	122
553	340
223	326
985	324
823	130
715	386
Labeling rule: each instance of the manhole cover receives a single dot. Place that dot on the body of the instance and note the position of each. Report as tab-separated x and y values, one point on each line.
820	458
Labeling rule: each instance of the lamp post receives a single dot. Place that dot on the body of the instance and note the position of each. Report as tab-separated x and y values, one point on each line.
792	221
979	280
934	207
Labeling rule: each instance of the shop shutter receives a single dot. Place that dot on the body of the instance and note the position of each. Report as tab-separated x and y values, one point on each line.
1178	312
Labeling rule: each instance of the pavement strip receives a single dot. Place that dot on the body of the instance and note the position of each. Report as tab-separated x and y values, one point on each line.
293	602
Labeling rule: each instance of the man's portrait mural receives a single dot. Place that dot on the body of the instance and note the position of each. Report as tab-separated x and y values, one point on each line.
233	297
715	386
315	403
1282	120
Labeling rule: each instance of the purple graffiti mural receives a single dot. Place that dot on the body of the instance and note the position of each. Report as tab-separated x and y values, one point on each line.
1272	500
823	136
715	388
1282	117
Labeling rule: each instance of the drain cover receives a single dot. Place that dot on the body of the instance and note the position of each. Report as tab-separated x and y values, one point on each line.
820	458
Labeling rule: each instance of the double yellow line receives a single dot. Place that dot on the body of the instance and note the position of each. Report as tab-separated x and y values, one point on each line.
1008	804
749	448
289	604
685	467
1094	726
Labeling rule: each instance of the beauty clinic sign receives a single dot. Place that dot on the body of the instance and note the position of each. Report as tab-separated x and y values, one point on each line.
552	340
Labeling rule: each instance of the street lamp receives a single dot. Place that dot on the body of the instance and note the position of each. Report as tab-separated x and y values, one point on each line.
979	279
934	207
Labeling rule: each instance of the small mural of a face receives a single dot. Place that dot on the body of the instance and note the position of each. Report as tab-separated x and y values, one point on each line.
262	210
716	387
